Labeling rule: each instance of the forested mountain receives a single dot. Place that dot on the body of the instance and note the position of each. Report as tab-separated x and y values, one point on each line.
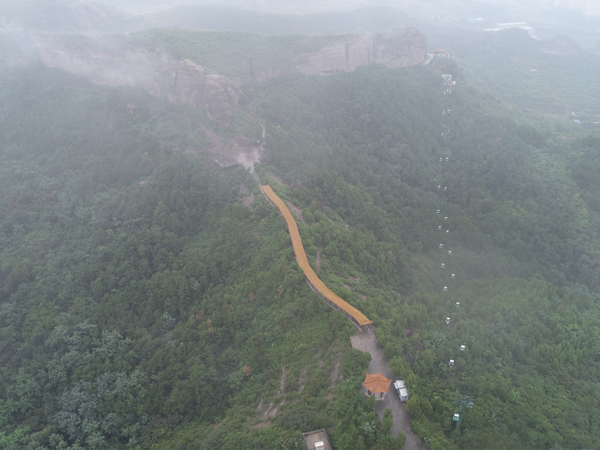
150	299
523	233
139	295
540	75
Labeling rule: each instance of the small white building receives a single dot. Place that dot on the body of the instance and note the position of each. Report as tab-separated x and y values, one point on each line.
317	440
401	389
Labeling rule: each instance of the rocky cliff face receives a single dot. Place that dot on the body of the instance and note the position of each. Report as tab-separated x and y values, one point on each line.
158	73
189	83
222	97
108	63
394	49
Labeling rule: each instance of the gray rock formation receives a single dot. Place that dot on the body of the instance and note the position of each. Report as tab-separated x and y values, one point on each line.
221	98
189	83
110	63
394	49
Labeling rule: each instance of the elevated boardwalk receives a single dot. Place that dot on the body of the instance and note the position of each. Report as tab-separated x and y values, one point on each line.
337	303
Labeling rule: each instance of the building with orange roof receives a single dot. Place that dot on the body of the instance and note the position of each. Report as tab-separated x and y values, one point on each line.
377	385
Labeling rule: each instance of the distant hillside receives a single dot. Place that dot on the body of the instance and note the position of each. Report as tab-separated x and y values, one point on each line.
63	16
553	77
561	45
223	18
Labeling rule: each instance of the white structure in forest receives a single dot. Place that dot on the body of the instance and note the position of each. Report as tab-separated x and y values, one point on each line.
401	390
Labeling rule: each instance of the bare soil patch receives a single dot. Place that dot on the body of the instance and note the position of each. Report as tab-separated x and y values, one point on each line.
240	149
276	178
273	413
297	211
335	373
265	415
248	201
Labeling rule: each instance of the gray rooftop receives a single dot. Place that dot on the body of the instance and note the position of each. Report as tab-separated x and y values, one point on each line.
312	437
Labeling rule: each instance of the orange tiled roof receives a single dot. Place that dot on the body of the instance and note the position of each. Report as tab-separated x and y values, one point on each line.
377	383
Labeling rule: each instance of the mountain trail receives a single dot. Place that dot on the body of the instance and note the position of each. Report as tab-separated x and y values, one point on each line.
367	342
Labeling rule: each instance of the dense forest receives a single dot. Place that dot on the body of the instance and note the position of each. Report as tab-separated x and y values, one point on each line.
139	295
151	300
522	220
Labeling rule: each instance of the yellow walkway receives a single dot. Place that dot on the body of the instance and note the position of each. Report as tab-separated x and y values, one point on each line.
311	277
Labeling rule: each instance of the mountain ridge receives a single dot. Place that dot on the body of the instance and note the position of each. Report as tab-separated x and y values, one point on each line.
111	62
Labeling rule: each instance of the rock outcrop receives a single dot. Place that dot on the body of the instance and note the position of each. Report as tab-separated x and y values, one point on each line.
393	49
189	83
221	98
111	63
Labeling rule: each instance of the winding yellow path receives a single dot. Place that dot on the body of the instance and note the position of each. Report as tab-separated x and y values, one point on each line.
311	277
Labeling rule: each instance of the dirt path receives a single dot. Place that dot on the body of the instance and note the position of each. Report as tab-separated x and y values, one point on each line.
367	342
318	260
